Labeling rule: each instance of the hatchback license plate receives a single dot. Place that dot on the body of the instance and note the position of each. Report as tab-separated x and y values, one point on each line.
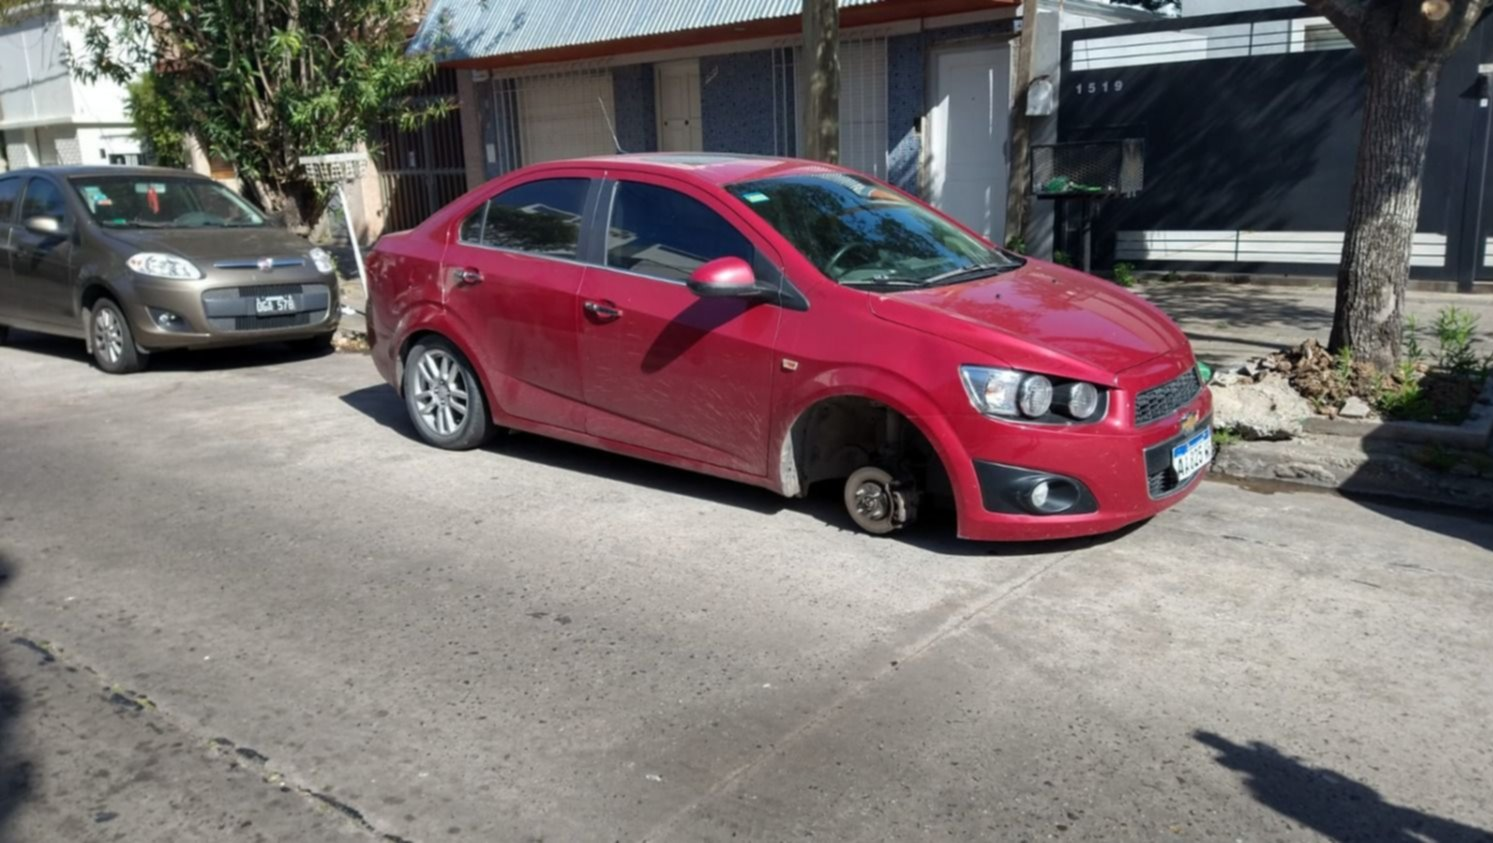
274	304
1193	455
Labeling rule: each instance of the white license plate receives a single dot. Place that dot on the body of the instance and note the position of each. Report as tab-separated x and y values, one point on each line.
1193	455
274	304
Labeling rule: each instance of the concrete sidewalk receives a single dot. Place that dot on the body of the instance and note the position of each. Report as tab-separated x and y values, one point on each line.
1231	321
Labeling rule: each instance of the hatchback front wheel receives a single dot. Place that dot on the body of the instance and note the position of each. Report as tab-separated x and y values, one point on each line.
443	397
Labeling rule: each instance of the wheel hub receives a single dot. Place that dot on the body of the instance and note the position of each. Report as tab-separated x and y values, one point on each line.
873	501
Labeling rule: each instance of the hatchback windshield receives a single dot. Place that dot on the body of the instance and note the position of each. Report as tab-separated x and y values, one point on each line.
862	235
156	202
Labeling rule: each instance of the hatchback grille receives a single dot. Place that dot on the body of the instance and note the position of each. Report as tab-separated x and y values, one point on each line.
1161	401
233	308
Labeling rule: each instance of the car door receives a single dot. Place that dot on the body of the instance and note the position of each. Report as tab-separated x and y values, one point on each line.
10	196
665	369
41	262
511	277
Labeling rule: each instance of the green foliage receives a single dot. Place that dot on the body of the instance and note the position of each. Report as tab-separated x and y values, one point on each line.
1061	258
160	128
1456	334
1017	244
1224	437
1124	275
261	84
1410	350
1344	363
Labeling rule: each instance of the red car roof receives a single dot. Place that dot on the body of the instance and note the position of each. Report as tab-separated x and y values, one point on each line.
712	168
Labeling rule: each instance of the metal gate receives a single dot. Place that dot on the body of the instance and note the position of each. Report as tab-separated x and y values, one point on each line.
421	169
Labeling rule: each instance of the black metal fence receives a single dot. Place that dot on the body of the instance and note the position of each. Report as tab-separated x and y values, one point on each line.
421	169
1251	125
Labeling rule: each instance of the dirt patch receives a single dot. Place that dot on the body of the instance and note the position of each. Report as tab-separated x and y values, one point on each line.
1414	392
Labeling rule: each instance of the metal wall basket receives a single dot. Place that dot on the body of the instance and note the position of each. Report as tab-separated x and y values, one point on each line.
1088	169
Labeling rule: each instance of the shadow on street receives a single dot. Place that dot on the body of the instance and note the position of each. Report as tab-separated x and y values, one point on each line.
934	531
207	360
15	769
1329	803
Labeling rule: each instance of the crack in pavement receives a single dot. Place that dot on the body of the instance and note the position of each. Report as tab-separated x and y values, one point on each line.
52	654
956	622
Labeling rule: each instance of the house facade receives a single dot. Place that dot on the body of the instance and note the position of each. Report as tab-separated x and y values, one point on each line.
924	103
48	115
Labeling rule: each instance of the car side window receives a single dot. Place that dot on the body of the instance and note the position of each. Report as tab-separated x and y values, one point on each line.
541	217
10	191
43	199
663	233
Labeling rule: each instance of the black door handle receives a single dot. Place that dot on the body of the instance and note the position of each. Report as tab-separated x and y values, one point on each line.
602	310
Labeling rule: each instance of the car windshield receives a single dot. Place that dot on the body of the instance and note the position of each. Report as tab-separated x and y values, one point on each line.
164	202
861	234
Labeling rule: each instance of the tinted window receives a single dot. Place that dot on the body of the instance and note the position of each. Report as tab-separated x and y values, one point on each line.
542	217
43	199
10	189
660	232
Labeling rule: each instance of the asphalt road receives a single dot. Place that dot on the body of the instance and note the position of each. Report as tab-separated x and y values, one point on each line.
241	603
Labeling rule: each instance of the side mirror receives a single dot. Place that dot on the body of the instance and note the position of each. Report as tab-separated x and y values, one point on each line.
45	226
726	278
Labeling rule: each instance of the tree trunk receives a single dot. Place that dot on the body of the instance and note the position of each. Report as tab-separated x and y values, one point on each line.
822	111
1018	196
1384	209
299	204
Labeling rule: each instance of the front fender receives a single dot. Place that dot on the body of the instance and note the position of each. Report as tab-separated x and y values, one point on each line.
897	392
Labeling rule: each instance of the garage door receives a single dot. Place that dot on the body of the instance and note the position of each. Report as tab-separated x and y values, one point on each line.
565	116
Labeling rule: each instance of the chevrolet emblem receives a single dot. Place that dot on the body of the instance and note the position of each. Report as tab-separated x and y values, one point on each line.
1190	421
266	264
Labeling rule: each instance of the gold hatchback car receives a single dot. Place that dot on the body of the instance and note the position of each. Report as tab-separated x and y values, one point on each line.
139	259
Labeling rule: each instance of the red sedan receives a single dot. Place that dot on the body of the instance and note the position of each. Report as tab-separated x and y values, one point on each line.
785	323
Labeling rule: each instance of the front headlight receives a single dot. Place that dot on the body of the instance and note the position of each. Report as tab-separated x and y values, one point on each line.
323	261
158	265
1024	395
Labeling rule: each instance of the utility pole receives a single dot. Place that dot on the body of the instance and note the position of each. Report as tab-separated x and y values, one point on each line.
822	49
1018	189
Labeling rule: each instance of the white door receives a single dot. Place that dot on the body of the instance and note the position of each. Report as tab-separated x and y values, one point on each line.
680	128
967	166
565	116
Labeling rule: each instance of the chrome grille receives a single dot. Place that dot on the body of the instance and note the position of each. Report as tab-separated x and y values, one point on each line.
1158	402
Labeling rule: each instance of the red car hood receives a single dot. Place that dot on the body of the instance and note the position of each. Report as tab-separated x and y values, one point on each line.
1043	316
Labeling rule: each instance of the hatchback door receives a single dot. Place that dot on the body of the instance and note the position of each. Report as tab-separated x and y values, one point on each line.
665	369
511	276
41	262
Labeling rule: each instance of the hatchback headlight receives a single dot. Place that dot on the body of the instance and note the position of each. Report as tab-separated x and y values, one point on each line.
1024	395
159	265
323	261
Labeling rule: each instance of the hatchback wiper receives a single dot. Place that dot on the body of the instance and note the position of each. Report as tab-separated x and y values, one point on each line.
969	273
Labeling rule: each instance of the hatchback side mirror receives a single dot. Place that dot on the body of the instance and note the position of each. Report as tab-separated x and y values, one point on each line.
728	277
45	226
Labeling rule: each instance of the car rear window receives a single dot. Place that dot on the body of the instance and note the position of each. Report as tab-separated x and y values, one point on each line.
541	217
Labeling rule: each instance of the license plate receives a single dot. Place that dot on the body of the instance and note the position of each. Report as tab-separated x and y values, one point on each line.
1193	455
274	304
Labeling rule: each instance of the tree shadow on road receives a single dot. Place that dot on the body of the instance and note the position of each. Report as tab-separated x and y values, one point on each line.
934	531
15	769
1329	803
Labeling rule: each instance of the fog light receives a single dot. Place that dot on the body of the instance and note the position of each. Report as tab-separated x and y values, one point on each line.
1050	496
167	320
1038	495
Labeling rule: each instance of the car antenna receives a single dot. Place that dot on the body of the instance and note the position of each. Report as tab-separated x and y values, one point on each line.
616	144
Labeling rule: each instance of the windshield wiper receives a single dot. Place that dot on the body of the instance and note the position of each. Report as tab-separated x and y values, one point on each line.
879	282
969	273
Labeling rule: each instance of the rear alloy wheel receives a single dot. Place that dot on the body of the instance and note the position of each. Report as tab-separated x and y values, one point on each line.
877	503
112	340
443	397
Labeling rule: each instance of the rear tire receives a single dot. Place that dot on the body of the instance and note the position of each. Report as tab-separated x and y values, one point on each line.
444	398
112	340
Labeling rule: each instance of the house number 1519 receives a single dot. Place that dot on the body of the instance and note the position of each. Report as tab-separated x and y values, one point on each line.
1104	87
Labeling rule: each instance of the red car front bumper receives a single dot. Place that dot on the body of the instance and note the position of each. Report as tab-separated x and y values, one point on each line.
1108	460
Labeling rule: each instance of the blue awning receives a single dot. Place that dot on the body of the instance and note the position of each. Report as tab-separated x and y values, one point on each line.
457	30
